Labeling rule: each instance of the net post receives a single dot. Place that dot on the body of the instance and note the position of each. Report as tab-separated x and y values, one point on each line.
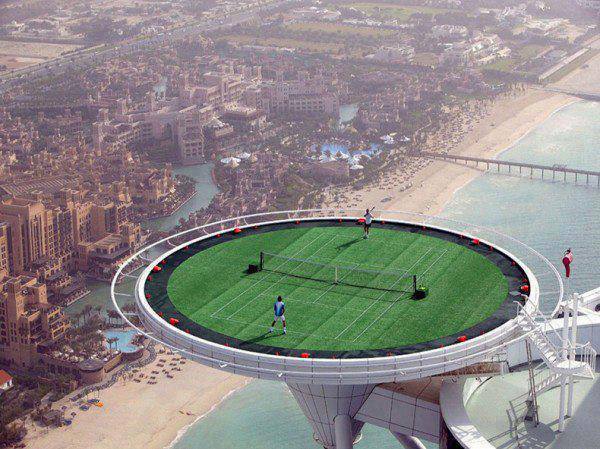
335	275
261	262
414	283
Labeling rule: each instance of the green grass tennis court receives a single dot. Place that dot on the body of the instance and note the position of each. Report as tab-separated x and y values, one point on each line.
213	289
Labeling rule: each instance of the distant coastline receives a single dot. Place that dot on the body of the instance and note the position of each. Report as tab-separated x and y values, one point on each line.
508	120
464	181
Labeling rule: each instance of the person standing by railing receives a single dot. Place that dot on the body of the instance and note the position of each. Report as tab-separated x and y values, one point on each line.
567	260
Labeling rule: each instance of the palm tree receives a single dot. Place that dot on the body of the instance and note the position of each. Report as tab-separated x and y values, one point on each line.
87	310
110	342
113	315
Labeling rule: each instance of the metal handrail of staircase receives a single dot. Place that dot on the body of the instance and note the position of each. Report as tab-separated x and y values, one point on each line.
537	321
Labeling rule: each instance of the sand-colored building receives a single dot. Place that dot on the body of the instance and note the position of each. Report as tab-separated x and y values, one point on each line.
26	320
50	237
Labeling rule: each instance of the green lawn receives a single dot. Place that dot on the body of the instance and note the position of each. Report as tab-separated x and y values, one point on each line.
339	29
212	289
394	11
318	47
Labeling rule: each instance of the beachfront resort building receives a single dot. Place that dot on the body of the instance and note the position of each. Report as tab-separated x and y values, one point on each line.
26	320
305	94
480	50
48	237
33	336
170	121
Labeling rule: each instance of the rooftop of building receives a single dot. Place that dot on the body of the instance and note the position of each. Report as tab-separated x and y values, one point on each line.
4	377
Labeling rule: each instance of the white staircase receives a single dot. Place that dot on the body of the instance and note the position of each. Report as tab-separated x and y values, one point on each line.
557	360
565	362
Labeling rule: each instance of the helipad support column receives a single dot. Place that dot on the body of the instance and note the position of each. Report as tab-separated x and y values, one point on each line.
409	442
330	409
343	432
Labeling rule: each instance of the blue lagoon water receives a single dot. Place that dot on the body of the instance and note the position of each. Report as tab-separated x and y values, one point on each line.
125	337
548	216
205	191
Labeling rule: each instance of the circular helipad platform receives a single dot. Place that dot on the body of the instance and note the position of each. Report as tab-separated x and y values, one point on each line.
345	296
359	325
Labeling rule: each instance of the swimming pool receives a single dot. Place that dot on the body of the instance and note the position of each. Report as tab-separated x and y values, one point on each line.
125	337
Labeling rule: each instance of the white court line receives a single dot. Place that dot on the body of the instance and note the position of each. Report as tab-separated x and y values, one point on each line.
291	298
394	302
262	279
434	262
289	331
285	275
381	296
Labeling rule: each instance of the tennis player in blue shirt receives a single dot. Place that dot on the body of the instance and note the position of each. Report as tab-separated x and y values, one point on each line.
279	309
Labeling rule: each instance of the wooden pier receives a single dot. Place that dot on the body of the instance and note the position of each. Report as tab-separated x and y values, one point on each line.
511	167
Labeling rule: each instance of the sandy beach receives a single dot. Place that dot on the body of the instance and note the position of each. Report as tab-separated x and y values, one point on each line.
506	122
141	414
492	128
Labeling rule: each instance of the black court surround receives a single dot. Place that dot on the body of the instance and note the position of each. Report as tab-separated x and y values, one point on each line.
158	298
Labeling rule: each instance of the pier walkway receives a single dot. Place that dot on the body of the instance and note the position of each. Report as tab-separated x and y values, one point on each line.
590	96
560	171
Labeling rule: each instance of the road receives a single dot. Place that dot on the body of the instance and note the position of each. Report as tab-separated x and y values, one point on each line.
93	55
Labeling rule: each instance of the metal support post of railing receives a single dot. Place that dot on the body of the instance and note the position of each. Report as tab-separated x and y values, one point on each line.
563	378
572	354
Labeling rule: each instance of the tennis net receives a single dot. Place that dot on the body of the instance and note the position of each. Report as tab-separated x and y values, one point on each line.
388	280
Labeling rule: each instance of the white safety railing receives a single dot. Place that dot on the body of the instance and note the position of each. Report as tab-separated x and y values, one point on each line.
351	370
588	354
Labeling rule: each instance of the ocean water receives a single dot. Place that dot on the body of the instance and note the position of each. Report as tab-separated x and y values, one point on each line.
264	415
549	216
